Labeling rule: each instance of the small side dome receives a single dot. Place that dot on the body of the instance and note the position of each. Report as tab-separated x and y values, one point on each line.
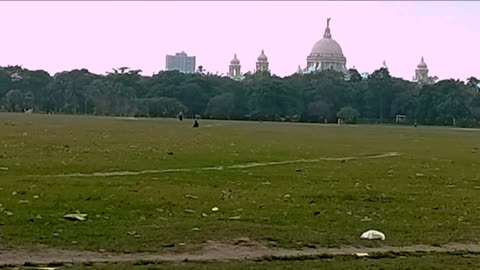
262	57
235	60
422	64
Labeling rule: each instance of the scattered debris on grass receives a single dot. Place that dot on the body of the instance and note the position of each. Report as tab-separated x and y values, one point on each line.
3	168
226	194
364	219
188	196
241	240
373	235
215	209
76	217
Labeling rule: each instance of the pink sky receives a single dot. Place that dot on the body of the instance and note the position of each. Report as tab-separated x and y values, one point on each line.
57	36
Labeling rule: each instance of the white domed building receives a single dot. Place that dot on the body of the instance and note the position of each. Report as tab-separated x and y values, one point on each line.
326	54
262	63
234	69
421	74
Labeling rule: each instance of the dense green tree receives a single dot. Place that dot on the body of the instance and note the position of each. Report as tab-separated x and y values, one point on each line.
318	111
473	83
160	107
445	102
15	100
261	95
221	106
348	114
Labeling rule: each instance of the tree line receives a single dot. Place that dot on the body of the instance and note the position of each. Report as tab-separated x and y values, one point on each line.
317	97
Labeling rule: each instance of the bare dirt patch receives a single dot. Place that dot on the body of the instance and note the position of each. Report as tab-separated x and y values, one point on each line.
211	251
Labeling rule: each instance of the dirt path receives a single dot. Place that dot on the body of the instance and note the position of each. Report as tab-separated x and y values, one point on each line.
212	251
221	168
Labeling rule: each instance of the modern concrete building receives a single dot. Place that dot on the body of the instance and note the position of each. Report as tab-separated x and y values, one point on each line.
326	54
181	62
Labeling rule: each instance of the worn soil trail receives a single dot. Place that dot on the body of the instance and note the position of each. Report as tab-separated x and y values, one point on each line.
212	251
221	168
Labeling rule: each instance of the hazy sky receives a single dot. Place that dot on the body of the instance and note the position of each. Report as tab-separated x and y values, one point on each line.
57	36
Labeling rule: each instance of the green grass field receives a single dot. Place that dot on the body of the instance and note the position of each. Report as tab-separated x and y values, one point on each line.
429	194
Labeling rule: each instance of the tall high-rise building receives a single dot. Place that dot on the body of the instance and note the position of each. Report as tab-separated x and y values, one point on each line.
181	62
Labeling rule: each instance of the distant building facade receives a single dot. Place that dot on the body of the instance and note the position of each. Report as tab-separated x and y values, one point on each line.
421	74
181	62
234	70
262	62
326	54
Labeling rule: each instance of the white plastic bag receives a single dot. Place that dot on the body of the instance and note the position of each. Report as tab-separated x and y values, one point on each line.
373	235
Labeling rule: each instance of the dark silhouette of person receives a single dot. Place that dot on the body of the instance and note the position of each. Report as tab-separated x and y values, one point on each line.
196	124
180	116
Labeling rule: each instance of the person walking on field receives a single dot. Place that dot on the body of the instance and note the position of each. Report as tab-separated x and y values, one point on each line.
196	124
180	116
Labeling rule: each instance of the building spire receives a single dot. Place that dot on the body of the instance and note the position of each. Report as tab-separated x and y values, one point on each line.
422	63
327	30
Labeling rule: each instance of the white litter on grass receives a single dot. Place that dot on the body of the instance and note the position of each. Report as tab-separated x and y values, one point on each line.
373	235
76	217
221	168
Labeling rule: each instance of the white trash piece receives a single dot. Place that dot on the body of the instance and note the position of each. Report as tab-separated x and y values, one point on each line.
373	235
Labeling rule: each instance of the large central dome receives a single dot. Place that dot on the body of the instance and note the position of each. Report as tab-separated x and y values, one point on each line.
327	46
327	54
